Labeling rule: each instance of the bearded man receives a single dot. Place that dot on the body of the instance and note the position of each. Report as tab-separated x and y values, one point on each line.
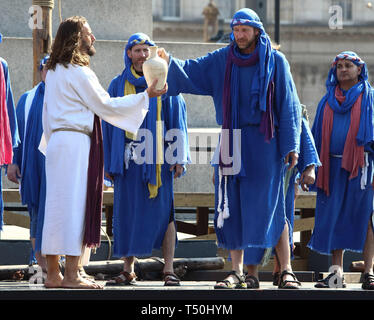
74	101
143	208
257	105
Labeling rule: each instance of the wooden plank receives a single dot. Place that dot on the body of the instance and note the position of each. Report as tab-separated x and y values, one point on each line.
11	195
201	199
17	219
181	199
303	224
307	201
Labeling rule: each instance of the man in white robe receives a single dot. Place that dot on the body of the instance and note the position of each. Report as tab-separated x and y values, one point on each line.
72	98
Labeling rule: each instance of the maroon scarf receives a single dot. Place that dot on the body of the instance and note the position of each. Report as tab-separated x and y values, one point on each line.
95	179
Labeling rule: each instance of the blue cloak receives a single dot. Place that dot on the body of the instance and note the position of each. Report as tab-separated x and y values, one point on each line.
30	160
140	223
255	195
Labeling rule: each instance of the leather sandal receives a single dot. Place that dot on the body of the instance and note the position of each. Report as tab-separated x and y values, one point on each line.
171	279
284	284
368	281
227	284
123	279
252	282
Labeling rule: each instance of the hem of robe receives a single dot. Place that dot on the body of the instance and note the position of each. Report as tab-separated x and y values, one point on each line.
329	253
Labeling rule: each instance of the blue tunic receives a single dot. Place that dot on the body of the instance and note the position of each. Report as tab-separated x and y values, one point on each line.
341	219
140	223
30	160
13	125
255	195
308	156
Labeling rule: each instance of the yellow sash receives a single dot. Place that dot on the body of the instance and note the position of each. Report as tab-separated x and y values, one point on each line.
153	189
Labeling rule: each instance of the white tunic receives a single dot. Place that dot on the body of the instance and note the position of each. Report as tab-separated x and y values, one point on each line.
72	96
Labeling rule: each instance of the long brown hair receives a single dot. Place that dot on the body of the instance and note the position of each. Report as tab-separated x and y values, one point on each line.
66	46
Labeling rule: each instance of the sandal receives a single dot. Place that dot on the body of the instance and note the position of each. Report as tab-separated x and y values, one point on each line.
171	279
252	282
368	282
325	283
124	279
284	284
227	284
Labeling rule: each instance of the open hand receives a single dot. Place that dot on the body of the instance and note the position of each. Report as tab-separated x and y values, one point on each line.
153	92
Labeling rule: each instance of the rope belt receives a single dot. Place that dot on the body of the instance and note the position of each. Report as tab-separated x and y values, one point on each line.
73	130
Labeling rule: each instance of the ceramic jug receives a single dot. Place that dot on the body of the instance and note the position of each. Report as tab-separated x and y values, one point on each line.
155	68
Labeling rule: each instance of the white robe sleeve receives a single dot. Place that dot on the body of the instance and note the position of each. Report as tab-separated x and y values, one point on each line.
126	112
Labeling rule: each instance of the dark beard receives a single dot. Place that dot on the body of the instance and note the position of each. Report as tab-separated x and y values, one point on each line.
89	50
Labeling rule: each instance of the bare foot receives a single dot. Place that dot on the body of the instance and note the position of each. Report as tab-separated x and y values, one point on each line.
54	281
80	283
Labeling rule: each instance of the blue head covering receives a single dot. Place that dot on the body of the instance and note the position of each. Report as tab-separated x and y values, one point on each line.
246	17
136	38
365	133
351	56
43	62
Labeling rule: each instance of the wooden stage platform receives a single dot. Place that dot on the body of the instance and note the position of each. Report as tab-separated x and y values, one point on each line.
197	291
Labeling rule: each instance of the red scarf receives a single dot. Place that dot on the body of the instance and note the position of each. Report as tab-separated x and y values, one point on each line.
353	155
6	149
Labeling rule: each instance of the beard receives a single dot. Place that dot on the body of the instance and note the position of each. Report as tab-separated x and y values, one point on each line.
87	48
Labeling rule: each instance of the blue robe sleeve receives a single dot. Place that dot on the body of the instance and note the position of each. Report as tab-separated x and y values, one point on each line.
175	117
202	76
21	122
308	152
10	106
287	107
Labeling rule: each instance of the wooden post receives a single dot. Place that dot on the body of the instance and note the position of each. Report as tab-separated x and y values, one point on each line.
42	34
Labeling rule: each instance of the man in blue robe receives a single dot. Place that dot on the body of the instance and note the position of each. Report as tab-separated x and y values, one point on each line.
257	105
343	132
10	138
302	174
142	169
28	167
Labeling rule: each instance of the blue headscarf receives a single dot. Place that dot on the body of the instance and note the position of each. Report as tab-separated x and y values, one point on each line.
136	38
365	133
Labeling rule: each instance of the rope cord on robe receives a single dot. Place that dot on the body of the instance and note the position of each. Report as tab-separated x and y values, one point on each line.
130	89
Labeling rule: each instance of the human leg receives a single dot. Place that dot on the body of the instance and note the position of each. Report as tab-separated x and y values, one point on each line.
287	278
54	276
235	278
72	278
168	248
368	255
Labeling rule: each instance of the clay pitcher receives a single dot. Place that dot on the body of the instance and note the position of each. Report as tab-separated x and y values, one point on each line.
155	68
